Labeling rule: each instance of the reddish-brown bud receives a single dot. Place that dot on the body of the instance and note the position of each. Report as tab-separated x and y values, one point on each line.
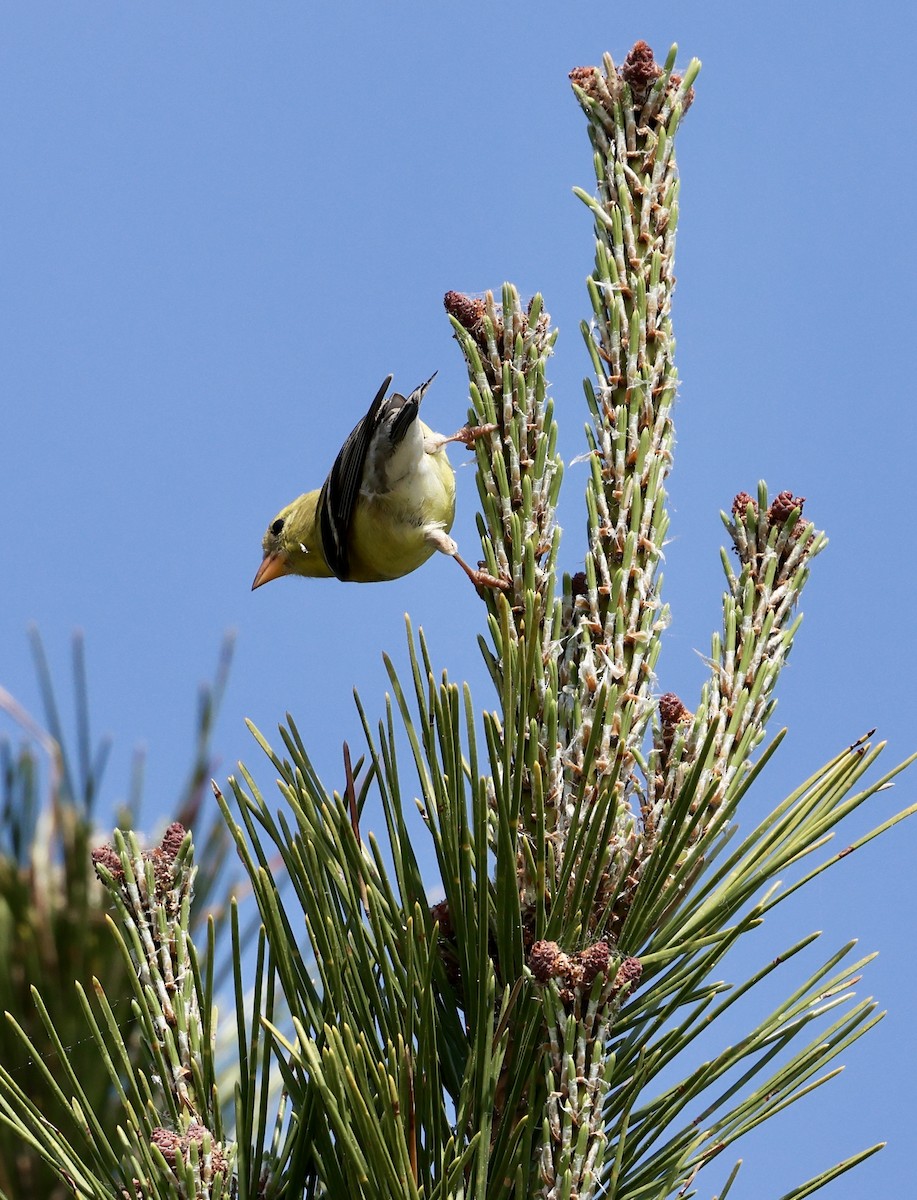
172	840
107	857
594	960
585	79
782	506
175	1147
640	70
628	975
168	1143
671	710
544	959
672	713
467	310
741	503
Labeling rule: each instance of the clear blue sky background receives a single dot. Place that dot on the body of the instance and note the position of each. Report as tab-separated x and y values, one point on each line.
222	224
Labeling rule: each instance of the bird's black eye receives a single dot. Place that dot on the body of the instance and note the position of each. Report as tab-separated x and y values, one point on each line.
277	526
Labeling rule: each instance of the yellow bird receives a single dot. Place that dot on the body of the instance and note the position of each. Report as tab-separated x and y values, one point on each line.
385	508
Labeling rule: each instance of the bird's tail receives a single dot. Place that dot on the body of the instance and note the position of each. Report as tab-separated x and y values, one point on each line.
408	411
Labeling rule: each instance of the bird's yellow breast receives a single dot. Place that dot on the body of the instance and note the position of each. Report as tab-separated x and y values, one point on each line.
389	536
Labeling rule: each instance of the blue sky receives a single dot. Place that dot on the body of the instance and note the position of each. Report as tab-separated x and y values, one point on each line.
221	225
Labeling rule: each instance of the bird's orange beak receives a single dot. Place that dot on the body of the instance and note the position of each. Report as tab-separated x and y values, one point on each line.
272	567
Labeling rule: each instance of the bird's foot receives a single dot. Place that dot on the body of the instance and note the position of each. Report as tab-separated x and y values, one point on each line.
482	578
469	434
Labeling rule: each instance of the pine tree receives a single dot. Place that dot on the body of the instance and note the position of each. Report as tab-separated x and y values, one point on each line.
529	1035
54	918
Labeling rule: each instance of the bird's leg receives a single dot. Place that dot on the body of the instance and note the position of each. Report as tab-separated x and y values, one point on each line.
447	545
468	435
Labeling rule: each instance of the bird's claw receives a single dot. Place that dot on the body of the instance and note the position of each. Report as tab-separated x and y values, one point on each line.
469	434
481	578
484	579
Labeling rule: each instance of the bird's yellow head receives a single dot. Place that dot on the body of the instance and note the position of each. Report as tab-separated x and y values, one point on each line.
292	544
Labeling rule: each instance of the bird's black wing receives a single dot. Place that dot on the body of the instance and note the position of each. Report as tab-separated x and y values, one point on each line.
339	492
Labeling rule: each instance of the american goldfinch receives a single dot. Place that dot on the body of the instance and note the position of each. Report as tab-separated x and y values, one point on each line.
386	506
